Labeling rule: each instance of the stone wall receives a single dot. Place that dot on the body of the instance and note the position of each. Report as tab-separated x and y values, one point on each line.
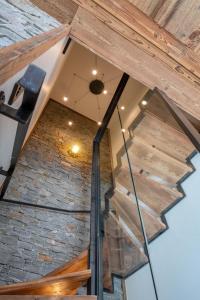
20	19
35	241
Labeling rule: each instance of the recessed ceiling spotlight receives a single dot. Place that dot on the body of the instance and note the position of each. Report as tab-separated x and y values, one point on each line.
65	98
94	72
99	123
123	130
75	149
144	102
105	92
70	123
122	107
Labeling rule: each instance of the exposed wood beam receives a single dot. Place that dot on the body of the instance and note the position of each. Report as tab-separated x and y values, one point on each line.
15	57
147	28
116	42
62	10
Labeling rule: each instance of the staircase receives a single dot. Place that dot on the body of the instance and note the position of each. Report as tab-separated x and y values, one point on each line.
158	151
63	281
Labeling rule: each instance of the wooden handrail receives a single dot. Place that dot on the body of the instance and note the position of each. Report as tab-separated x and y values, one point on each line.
55	285
15	57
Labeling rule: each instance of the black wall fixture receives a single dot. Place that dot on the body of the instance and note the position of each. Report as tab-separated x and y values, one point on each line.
31	82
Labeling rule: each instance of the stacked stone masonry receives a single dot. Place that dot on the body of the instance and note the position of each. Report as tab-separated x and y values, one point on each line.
35	241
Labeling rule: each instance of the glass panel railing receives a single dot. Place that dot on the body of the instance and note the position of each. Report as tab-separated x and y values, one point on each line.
125	248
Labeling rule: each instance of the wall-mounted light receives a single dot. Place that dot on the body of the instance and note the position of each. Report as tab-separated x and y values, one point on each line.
123	130
144	102
75	149
105	92
122	107
99	123
65	98
94	72
70	123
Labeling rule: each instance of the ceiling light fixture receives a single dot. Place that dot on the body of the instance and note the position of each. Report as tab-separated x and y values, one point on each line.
122	107
105	92
99	123
94	72
123	130
70	123
144	102
65	98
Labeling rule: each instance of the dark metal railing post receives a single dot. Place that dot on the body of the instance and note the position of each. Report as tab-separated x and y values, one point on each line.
31	82
96	239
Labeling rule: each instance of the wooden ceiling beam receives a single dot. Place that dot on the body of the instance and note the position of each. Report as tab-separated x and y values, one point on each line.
17	56
130	15
100	31
62	10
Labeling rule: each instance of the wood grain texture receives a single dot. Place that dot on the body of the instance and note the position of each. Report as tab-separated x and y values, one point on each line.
62	10
155	164
127	209
124	48
181	18
151	31
54	285
15	57
152	193
156	133
125	254
79	263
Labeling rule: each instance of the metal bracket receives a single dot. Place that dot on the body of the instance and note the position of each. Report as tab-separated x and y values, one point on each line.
2	172
31	83
16	92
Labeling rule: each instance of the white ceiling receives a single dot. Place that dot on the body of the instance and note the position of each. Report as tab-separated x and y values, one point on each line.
81	62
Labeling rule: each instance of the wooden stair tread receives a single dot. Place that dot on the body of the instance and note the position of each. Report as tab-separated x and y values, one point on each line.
155	164
155	132
127	209
79	263
125	255
158	108
157	196
54	285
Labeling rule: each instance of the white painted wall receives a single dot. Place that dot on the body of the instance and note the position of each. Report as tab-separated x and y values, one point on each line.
175	254
51	61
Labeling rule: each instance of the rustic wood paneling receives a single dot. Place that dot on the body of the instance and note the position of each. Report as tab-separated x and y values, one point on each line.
15	57
143	25
62	10
131	53
181	18
149	7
